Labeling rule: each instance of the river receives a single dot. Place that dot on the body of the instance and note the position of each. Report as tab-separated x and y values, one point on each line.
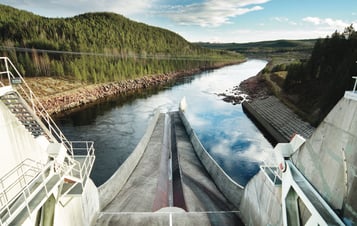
116	126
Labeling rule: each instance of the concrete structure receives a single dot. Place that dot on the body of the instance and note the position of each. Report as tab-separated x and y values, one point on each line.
42	178
325	191
329	158
155	187
277	120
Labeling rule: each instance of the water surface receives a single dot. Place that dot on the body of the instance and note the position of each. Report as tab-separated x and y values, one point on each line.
229	136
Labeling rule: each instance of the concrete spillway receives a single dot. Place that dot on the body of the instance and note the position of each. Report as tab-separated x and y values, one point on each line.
158	188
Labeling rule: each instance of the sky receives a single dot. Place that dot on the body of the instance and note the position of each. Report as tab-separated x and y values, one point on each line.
218	21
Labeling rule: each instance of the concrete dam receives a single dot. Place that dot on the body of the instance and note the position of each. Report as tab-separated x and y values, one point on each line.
169	179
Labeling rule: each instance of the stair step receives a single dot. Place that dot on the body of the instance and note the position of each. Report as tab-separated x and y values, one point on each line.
8	102
14	105
30	123
23	113
17	110
10	98
26	117
34	129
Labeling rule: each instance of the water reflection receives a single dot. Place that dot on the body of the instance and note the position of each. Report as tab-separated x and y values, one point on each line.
117	125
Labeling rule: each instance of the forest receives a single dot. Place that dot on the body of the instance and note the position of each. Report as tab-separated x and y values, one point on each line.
98	47
315	85
265	48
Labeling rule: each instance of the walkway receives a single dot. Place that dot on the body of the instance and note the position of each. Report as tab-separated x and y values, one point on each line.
136	202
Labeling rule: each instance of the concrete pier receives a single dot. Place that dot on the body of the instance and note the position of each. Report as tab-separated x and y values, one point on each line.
136	201
276	119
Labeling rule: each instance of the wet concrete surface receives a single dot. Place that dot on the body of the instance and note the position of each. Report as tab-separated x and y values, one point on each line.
204	203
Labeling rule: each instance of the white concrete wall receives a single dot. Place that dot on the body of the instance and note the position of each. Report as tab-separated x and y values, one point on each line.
16	143
261	202
80	210
70	214
329	158
90	203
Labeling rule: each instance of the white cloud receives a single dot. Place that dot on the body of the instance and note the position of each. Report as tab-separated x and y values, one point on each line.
70	8
337	24
281	19
212	13
255	35
284	20
129	7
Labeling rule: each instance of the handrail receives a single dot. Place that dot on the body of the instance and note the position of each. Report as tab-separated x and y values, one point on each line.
297	187
80	170
35	104
85	149
22	199
19	178
10	180
274	170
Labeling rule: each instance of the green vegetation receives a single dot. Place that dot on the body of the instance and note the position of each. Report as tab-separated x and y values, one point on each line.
268	49
98	47
316	85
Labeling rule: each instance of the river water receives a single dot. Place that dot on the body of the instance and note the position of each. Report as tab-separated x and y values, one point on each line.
116	126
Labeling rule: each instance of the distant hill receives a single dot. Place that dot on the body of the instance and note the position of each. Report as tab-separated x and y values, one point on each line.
265	49
98	46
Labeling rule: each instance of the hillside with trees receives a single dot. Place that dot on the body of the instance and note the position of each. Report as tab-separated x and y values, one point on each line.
98	47
316	85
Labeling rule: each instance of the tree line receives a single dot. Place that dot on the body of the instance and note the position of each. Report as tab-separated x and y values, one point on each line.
316	84
98	47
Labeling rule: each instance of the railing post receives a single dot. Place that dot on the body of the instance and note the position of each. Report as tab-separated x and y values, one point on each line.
7	69
3	191
355	85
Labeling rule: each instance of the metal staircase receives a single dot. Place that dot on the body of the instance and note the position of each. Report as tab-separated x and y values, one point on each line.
21	110
27	187
18	85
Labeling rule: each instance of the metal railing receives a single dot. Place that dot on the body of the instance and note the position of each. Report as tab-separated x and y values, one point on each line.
17	179
20	186
273	173
296	188
24	90
85	149
83	160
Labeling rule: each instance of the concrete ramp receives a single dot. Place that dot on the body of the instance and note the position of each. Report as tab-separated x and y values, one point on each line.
135	202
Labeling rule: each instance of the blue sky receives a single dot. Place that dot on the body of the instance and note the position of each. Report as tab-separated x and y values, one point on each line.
217	20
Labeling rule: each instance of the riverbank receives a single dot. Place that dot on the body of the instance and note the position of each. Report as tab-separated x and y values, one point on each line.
255	87
263	101
60	96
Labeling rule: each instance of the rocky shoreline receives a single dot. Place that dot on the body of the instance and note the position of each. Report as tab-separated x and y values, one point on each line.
250	89
64	102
